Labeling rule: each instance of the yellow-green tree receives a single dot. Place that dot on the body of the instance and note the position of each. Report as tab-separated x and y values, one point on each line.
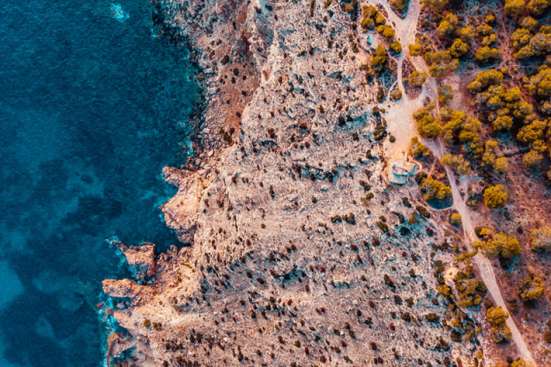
501	245
486	54
398	5
531	288
538	7
496	316
495	196
427	124
519	362
433	189
484	79
514	8
459	48
532	158
416	79
447	25
418	150
379	59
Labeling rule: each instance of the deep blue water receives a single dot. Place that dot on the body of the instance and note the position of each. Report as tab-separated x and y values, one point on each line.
92	105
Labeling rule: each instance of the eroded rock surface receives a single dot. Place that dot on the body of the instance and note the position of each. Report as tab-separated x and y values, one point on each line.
300	252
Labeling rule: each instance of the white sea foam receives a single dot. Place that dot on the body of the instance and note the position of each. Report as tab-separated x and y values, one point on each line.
119	13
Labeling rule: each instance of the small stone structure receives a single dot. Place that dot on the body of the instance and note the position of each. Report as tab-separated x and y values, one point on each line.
401	171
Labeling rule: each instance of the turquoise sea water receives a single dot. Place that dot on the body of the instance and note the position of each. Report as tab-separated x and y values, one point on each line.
93	103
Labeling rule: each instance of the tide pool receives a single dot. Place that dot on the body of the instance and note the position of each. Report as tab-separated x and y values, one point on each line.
93	103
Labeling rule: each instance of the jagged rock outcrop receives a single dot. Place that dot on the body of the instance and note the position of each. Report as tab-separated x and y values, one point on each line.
300	253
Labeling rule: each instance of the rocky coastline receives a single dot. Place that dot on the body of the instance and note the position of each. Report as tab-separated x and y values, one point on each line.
299	252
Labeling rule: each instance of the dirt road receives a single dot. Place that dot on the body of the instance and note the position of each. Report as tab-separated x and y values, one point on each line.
401	125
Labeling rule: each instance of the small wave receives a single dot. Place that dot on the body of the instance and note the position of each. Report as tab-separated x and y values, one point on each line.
119	13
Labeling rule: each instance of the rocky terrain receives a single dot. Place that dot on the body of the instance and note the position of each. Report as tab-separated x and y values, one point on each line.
299	250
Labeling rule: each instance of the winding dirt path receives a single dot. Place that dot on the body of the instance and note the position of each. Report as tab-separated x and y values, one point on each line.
401	125
485	268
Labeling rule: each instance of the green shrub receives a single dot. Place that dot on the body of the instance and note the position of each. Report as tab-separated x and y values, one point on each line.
484	79
532	288
455	219
427	125
495	196
485	55
418	150
514	8
500	245
496	316
459	48
457	163
416	79
519	362
433	189
532	159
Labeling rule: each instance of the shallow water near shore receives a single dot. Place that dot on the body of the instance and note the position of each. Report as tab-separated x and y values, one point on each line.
93	103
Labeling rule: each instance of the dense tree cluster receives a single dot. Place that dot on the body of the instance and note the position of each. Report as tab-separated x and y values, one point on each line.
487	52
531	44
484	79
531	39
458	38
436	5
496	316
506	109
533	135
416	79
441	63
500	105
539	86
379	60
519	362
505	105
518	8
371	17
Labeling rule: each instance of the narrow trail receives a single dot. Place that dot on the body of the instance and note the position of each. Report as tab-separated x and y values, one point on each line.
401	125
